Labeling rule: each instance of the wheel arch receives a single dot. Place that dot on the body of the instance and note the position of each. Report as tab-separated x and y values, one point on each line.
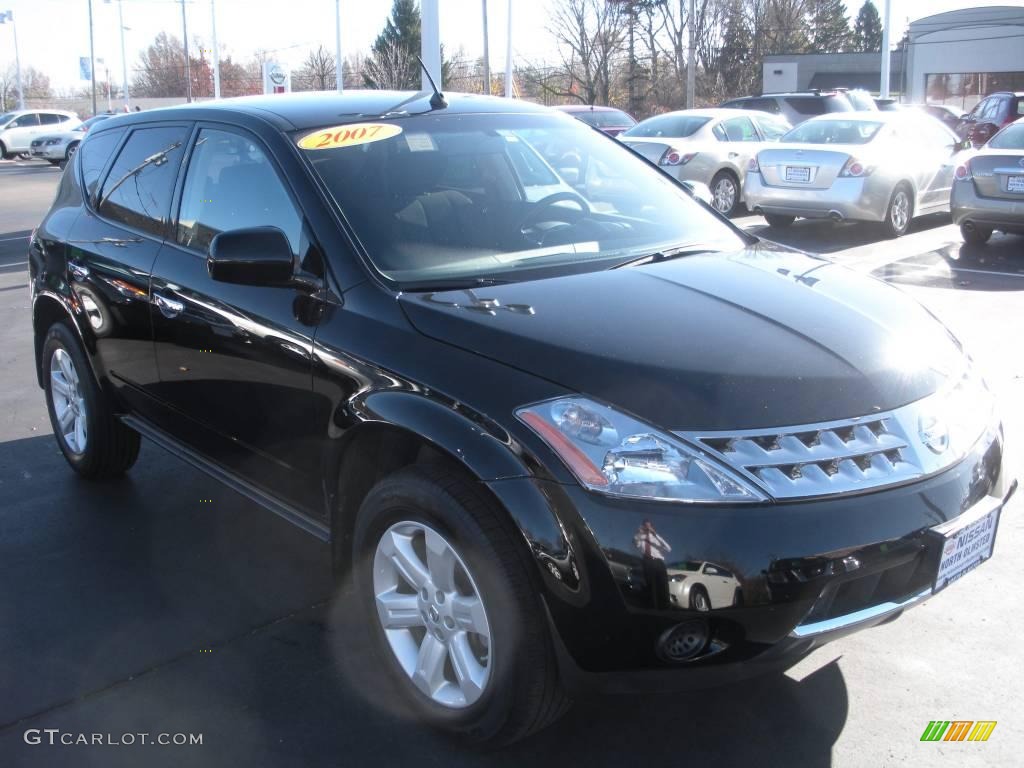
408	429
47	309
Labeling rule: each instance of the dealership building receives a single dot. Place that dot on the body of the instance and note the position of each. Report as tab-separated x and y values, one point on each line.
953	58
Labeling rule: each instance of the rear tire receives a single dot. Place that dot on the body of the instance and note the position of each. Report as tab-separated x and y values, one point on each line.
976	235
779	220
900	212
94	442
520	692
725	193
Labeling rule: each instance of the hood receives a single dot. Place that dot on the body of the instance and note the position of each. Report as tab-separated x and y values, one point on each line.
63	136
759	338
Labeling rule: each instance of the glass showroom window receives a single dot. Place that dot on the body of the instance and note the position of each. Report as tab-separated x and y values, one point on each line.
963	91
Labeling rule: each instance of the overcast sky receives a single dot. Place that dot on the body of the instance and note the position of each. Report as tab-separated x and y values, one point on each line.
53	34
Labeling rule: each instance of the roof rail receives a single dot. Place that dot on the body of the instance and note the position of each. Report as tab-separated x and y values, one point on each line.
811	91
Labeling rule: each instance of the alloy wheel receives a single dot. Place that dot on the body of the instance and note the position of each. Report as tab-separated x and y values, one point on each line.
432	614
724	195
900	212
68	403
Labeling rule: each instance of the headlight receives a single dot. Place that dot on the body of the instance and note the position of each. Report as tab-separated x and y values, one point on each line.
615	454
51	142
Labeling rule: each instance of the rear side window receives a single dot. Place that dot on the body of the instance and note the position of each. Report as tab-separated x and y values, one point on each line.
763	105
773	129
740	129
1018	107
48	118
230	184
137	191
93	156
606	118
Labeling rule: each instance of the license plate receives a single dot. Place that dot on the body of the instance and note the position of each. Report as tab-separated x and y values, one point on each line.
965	547
1015	184
798	174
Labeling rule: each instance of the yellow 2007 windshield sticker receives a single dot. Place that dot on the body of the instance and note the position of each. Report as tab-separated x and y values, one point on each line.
348	135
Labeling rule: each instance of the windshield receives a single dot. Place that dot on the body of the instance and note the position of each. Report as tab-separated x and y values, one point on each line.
1011	137
499	197
833	132
671	126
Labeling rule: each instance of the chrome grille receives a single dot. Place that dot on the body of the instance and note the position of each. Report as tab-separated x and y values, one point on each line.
843	456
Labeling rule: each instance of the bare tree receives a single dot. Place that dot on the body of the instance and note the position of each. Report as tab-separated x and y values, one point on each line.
589	34
317	73
35	84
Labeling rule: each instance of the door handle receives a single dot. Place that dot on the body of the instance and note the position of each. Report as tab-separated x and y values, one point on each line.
78	271
169	308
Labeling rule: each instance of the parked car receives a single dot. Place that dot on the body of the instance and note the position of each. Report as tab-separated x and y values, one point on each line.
703	586
794	107
346	308
988	188
883	167
889	105
949	116
59	147
860	100
610	120
994	112
18	128
710	146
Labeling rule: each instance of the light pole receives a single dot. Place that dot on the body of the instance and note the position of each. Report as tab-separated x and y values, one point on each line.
124	59
339	65
509	89
430	43
188	68
92	61
884	89
216	50
487	56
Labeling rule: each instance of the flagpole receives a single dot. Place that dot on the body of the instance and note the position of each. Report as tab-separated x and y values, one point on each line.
17	64
339	65
92	61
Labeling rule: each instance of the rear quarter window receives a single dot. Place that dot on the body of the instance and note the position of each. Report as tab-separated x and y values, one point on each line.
92	157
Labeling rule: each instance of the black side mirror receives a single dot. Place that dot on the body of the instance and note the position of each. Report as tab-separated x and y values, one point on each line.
252	256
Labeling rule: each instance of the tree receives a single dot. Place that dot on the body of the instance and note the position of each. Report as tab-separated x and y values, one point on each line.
35	84
590	33
392	62
867	30
830	30
734	62
317	73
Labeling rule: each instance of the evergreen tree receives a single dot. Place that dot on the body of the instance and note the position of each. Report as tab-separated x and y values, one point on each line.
734	61
392	62
867	30
830	31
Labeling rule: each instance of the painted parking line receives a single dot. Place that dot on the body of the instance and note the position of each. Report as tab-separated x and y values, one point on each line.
11	239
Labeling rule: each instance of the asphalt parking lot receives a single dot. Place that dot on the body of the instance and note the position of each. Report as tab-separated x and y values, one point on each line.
165	603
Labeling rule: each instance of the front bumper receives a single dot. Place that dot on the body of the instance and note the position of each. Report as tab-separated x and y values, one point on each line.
967	205
51	152
787	581
862	199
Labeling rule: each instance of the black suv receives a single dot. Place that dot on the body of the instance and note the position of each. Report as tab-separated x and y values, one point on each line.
562	425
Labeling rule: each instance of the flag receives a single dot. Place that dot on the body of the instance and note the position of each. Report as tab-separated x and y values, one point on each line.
6	16
85	68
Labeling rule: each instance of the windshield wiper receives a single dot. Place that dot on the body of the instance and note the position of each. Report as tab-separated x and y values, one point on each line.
665	255
451	284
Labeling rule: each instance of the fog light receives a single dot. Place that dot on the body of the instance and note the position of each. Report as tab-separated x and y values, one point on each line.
683	641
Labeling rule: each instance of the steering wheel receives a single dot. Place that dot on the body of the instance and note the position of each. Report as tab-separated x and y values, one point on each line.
546	207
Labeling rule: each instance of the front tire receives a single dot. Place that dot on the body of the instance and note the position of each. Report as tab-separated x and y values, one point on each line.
699	600
94	442
4	154
725	193
975	235
899	212
445	590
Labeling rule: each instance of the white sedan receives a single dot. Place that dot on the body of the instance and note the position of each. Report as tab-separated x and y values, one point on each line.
59	147
708	146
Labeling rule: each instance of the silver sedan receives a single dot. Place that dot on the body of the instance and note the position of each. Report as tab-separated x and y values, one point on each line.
988	191
884	167
708	146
